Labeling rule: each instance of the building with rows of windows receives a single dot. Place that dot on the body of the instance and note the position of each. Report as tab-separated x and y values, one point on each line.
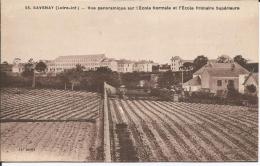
90	62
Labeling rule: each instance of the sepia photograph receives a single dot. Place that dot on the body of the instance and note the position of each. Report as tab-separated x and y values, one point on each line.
129	81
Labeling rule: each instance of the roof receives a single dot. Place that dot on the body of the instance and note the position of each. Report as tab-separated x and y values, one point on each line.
95	56
108	60
124	61
143	62
185	61
196	81
176	58
222	70
254	76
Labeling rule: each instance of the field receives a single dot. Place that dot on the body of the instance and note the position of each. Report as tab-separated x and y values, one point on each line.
57	125
50	125
167	131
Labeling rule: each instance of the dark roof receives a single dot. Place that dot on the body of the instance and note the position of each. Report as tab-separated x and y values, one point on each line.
254	76
222	70
193	82
99	56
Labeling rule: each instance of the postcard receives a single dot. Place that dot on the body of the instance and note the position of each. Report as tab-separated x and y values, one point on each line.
129	81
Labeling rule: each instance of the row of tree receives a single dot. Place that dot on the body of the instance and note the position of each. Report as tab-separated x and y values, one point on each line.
93	80
202	60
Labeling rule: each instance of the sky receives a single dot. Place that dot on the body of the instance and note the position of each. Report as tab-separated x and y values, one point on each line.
135	35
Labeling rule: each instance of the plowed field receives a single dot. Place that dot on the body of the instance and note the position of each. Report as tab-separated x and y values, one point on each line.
168	131
50	125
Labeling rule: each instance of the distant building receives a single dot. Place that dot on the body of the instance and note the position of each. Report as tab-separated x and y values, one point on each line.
176	62
143	66
90	62
6	68
125	66
164	68
215	77
18	66
109	63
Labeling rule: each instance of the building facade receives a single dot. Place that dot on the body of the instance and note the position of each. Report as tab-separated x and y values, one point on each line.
109	63
89	62
143	66
216	76
176	63
125	66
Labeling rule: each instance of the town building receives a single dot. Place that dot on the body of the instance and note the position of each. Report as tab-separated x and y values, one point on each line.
214	77
164	67
18	67
125	66
6	68
143	66
89	62
176	63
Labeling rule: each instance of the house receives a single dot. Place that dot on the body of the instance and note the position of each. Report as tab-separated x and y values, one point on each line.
18	67
125	66
176	63
143	66
193	84
214	77
250	80
6	68
164	68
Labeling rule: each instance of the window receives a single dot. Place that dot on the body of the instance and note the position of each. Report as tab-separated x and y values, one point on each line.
219	82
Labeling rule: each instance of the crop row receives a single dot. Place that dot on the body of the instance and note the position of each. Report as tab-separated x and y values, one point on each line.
168	131
42	104
48	141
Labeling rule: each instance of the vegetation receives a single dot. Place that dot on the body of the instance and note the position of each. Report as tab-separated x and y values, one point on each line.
251	88
40	67
240	60
224	59
199	62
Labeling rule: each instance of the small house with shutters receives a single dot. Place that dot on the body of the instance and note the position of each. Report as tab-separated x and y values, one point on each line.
214	77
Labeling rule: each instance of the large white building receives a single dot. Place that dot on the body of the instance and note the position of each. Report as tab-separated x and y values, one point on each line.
90	62
143	66
125	66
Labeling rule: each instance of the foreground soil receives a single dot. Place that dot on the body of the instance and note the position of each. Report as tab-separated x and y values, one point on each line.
168	131
48	141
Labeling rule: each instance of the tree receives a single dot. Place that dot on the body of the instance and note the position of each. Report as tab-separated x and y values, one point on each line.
199	62
64	78
104	70
251	88
231	91
224	59
166	79
79	68
187	66
28	68
240	60
40	67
